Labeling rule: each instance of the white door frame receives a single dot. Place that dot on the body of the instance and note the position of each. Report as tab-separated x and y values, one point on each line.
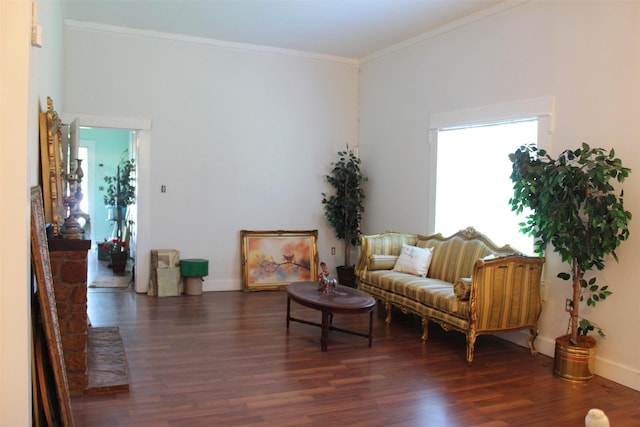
143	175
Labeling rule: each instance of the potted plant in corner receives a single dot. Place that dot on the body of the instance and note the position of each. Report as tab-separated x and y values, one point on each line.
576	209
343	209
120	193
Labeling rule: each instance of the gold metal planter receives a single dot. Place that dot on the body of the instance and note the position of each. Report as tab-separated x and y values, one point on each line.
575	362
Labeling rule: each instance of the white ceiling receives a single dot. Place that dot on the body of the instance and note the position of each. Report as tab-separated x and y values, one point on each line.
347	28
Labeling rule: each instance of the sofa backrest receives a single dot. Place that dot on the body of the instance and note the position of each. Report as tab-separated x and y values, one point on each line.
455	256
387	243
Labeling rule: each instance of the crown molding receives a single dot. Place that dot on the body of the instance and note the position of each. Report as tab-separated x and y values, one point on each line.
443	29
242	47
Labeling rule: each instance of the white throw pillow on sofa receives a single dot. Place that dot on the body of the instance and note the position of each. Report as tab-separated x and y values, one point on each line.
413	260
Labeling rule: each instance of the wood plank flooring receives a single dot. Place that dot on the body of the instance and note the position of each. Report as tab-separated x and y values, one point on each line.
226	359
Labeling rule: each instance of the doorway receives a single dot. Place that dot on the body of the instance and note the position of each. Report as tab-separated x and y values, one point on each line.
102	151
141	243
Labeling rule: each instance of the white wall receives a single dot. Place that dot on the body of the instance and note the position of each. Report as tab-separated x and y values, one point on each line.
241	137
587	55
27	76
14	306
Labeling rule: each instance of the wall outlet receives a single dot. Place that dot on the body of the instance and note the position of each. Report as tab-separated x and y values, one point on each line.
333	251
567	305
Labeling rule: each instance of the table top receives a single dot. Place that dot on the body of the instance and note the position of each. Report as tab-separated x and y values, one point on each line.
343	300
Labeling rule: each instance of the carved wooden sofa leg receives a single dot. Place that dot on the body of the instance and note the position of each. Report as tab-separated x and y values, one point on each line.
532	337
471	342
387	307
425	330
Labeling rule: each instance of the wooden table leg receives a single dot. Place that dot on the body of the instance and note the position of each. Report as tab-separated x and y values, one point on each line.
370	327
288	311
325	330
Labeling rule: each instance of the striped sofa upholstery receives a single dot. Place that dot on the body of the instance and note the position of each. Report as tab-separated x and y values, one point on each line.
472	285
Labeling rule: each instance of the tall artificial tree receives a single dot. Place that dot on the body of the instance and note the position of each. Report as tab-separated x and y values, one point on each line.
575	209
344	207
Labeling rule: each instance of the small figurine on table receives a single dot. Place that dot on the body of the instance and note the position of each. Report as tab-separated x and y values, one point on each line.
324	282
324	271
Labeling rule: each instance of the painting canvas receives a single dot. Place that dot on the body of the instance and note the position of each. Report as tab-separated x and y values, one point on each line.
273	259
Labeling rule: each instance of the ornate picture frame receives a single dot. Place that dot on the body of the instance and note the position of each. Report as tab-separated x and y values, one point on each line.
53	167
273	259
49	312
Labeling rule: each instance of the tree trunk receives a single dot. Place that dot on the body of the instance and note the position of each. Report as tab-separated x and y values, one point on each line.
347	252
119	217
577	278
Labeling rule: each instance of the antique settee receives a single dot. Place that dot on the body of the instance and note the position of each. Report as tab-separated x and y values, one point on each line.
469	285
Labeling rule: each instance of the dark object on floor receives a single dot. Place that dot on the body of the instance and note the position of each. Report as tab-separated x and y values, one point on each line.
346	275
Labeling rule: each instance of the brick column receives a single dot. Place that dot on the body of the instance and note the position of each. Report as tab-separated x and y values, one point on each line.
69	271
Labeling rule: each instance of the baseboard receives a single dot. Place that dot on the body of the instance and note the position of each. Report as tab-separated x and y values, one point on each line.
618	373
210	285
613	371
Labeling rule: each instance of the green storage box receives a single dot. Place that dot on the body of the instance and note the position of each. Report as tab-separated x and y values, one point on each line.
194	267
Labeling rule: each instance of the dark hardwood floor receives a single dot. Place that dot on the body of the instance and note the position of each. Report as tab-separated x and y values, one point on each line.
226	359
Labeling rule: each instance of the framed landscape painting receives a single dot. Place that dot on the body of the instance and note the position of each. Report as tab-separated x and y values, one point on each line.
273	259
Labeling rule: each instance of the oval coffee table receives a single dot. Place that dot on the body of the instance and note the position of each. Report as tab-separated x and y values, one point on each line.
343	300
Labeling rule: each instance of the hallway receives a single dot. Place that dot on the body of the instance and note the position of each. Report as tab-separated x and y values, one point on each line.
97	268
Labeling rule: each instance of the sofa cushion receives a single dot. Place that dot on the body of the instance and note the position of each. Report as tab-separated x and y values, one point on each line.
413	260
454	258
431	292
462	288
382	262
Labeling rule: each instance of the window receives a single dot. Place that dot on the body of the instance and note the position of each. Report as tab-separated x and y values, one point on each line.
471	170
473	185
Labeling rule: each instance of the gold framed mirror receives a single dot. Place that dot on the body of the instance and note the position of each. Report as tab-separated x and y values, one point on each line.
53	167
